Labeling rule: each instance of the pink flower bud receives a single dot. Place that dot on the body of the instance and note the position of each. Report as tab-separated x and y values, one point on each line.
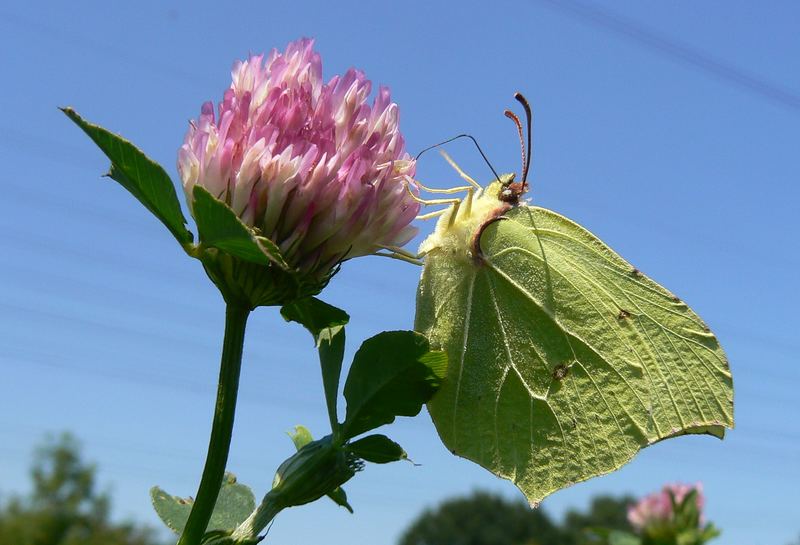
310	165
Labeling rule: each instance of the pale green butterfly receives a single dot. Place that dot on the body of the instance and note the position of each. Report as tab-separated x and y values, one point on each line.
565	360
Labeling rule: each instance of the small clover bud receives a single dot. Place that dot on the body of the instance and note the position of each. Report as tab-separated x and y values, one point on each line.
317	469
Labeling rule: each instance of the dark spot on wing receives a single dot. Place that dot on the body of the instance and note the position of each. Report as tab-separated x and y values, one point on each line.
560	371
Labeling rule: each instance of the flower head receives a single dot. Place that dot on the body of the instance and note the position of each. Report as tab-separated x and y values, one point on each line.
657	508
312	166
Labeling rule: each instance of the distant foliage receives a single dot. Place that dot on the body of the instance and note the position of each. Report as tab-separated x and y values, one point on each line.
487	519
482	519
64	507
610	512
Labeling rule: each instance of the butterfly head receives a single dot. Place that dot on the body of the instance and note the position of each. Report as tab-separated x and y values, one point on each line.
464	218
511	191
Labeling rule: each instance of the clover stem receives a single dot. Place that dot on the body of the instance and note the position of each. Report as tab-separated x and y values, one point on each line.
222	427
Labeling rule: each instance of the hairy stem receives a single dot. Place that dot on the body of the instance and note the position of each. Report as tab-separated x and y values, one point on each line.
259	519
222	427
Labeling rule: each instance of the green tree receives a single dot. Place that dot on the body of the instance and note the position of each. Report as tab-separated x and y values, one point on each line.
608	512
64	507
486	519
482	519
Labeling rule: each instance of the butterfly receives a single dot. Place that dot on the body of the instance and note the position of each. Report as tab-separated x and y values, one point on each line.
564	359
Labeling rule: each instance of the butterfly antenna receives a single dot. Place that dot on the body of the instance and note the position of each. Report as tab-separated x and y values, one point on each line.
513	117
529	117
486	160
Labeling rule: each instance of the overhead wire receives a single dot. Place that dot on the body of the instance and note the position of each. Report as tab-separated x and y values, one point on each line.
661	44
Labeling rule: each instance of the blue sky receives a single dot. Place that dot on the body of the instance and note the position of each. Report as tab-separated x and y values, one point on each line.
668	129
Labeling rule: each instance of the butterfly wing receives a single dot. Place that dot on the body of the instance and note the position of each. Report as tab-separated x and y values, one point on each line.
564	359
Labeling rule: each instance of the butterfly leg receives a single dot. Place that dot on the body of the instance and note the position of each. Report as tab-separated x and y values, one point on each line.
456	203
395	252
429	202
444	191
430	215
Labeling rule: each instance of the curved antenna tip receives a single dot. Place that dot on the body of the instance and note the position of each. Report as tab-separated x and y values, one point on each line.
513	117
529	118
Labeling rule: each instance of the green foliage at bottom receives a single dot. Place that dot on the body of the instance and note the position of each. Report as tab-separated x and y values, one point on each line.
487	519
64	507
609	512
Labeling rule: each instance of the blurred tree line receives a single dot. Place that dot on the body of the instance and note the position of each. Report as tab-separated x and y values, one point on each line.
64	506
487	519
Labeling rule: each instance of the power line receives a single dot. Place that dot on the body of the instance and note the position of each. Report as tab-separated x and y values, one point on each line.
179	384
257	351
170	382
62	152
156	65
21	239
93	210
161	335
53	282
38	240
773	342
667	47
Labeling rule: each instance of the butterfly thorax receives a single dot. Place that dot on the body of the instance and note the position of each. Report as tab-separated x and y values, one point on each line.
457	228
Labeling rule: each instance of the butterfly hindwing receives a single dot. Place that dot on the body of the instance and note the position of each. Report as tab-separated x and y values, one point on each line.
564	359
